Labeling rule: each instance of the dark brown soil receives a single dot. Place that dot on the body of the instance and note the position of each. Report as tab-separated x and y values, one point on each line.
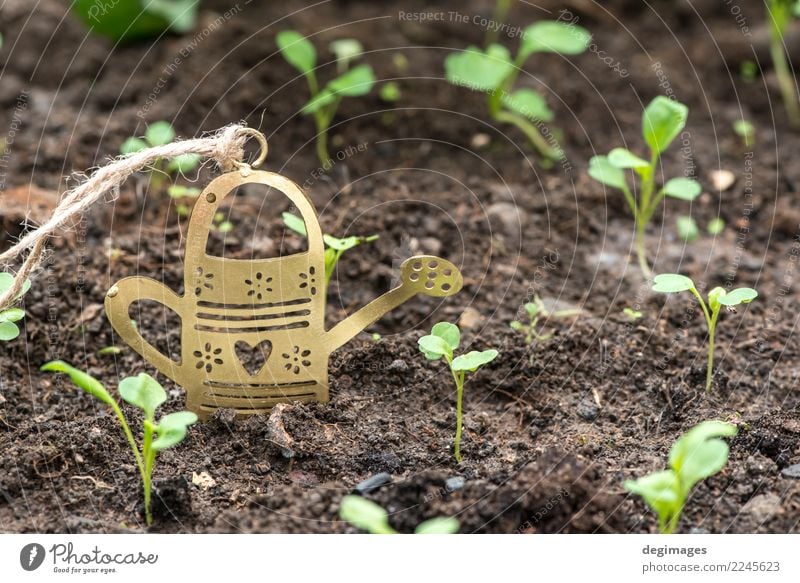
551	430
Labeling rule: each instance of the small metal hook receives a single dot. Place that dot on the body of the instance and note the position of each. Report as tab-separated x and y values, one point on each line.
262	143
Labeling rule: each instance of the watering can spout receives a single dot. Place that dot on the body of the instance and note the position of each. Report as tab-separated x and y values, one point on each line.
421	274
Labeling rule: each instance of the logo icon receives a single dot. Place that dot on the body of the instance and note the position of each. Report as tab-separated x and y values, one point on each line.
31	556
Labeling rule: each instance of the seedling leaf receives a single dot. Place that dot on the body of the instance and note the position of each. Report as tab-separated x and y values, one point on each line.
439	525
742	295
472	361
624	158
699	453
365	515
687	228
294	223
434	347
81	380
528	103
183	163
549	36
172	429
354	83
601	169
8	331
12	315
716	226
447	332
668	283
478	70
683	188
159	133
320	100
132	145
662	121
659	490
346	50
297	50
143	391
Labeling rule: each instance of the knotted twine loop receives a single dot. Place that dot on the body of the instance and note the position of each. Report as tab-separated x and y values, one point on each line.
225	147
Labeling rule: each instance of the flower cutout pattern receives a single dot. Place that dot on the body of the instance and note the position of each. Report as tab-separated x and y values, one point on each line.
208	357
259	286
202	280
295	359
309	280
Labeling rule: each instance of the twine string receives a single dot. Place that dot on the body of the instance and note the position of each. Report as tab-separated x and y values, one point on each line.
225	147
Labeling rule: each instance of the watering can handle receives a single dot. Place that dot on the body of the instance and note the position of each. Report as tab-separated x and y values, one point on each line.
208	203
118	301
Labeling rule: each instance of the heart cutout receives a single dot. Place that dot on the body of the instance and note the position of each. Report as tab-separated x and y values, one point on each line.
253	357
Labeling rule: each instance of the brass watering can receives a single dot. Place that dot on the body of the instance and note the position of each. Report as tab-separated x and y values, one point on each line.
275	306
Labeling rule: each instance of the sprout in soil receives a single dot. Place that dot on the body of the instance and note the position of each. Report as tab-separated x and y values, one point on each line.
370	517
301	54
631	314
442	343
499	15
390	92
673	283
10	316
687	228
162	133
534	311
494	72
696	455
745	130
129	20
334	248
780	14
144	392
715	226
662	121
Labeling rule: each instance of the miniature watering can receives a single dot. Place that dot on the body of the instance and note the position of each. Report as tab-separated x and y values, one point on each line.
276	307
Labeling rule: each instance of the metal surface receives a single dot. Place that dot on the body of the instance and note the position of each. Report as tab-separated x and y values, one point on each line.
253	331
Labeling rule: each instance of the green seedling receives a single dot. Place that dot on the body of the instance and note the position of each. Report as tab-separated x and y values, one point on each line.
745	130
130	20
9	330
631	314
715	226
698	454
109	351
442	343
534	311
370	517
780	14
334	248
662	122
143	392
162	133
355	82
499	15
669	283
390	92
687	228
221	224
748	70
494	72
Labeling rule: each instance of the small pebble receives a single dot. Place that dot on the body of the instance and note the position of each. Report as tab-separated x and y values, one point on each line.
480	140
507	219
791	472
587	409
470	318
373	483
722	179
454	484
397	366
